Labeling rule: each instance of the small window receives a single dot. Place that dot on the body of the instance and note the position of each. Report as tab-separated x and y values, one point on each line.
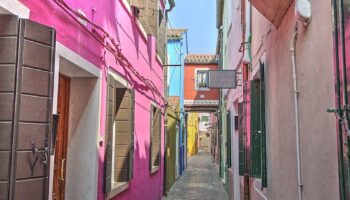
204	118
120	135
155	138
202	80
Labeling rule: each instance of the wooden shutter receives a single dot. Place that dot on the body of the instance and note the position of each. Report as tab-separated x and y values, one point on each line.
263	126
155	137
26	87
111	109
220	145
132	135
255	129
228	117
122	133
241	139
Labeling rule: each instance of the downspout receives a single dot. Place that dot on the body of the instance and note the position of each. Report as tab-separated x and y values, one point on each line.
303	14
296	109
165	85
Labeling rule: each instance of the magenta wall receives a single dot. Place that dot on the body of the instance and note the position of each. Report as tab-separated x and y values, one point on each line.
113	17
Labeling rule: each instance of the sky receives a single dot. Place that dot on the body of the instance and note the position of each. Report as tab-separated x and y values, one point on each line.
199	17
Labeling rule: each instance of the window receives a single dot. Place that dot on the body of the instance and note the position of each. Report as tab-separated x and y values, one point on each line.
204	118
155	138
119	135
253	162
201	80
147	14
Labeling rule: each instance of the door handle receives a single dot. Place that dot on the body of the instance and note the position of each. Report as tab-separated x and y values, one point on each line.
62	169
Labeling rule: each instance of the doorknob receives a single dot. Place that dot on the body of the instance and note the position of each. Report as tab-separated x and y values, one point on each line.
62	169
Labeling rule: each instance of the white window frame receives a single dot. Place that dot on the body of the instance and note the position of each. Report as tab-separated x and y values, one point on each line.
195	80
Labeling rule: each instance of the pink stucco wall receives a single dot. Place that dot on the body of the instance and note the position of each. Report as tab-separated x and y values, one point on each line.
140	51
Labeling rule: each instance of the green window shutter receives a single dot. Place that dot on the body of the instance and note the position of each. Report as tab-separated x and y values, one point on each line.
255	129
241	139
263	126
228	157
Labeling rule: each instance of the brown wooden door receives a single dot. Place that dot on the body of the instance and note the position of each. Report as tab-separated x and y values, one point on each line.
26	85
62	137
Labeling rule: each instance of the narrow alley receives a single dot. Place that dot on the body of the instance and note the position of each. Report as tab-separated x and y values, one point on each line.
174	99
199	181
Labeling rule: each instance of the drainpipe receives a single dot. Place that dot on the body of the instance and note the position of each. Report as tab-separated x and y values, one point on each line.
247	56
296	108
165	85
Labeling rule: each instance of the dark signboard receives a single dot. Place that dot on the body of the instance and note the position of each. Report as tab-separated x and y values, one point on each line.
222	79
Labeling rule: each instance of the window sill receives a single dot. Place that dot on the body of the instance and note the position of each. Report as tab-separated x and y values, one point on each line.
202	89
127	6
117	188
142	30
159	59
154	169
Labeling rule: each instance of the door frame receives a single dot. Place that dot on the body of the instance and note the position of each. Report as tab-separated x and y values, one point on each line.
64	137
89	68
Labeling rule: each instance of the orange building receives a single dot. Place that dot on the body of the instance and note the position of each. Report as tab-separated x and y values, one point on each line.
198	97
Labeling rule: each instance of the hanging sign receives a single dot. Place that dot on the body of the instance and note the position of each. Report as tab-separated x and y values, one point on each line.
222	79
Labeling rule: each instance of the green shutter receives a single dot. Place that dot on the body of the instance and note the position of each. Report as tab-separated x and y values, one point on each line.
241	139
228	142
263	126
255	129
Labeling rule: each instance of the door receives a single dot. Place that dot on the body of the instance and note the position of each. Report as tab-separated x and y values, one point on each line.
26	122
62	138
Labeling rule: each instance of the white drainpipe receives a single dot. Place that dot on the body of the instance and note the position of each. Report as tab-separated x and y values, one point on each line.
296	109
303	13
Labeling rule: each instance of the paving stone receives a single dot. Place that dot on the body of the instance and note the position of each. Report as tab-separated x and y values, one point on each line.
199	181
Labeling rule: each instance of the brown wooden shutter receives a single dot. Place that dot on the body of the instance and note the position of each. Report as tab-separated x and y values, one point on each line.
26	87
155	140
132	135
109	133
122	135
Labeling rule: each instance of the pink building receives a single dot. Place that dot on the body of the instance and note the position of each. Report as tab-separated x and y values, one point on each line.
100	67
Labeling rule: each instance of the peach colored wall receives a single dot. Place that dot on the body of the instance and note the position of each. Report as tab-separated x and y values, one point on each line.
140	51
319	164
190	92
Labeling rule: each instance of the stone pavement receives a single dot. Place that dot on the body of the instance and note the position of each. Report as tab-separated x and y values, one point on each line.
199	181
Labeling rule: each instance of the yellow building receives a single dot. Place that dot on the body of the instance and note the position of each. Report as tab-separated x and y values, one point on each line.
192	134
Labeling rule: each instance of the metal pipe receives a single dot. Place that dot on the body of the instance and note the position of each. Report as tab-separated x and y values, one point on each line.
339	110
296	109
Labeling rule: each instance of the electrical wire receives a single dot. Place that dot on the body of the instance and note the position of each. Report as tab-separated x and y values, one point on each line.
108	42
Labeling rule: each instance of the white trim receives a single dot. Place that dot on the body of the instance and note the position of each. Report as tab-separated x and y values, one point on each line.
141	28
201	102
159	59
121	80
257	183
195	79
76	59
127	6
66	53
14	7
